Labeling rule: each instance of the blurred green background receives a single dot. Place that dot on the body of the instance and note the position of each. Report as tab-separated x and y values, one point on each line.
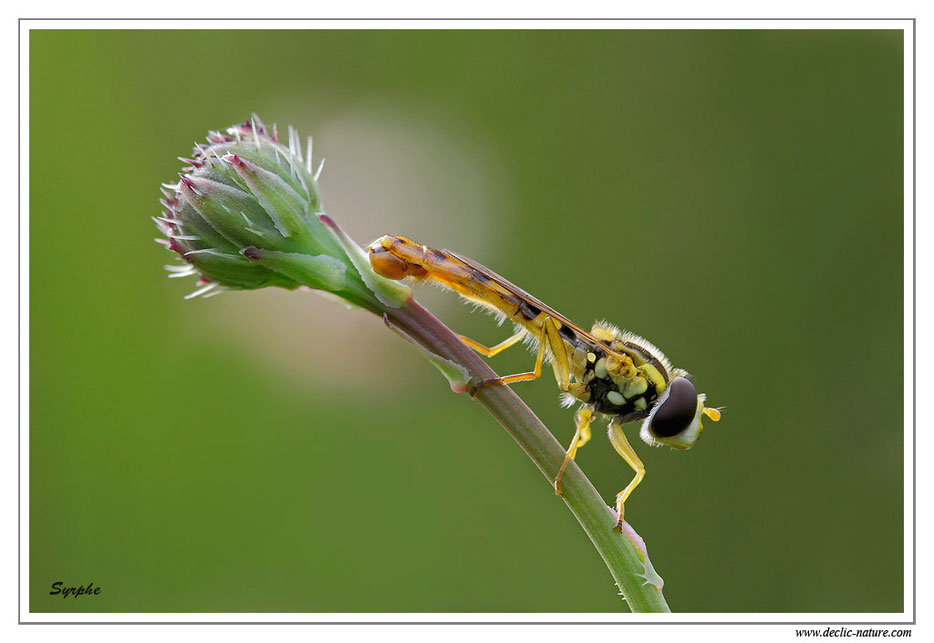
734	196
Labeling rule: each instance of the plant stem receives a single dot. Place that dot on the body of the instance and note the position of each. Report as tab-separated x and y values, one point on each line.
617	550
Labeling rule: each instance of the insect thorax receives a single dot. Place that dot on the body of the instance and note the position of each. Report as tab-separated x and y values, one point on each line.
605	384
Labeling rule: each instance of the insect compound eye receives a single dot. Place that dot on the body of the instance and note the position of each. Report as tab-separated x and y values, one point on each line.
677	411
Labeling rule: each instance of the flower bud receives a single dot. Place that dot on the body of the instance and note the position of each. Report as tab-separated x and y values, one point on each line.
246	213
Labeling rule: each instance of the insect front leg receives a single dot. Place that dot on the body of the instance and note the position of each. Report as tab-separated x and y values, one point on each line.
621	444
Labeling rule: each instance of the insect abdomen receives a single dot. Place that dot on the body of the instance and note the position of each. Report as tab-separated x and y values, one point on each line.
396	257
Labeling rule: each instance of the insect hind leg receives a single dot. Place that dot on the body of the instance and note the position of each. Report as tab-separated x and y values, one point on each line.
549	336
493	350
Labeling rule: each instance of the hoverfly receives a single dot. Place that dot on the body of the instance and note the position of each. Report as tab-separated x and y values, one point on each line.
611	372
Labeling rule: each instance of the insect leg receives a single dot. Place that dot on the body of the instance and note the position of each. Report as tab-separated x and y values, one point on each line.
621	444
494	350
534	374
581	437
549	334
560	362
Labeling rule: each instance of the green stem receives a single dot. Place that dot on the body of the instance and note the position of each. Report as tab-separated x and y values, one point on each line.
624	560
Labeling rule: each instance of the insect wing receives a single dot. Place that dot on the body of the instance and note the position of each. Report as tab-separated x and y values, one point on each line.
526	297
